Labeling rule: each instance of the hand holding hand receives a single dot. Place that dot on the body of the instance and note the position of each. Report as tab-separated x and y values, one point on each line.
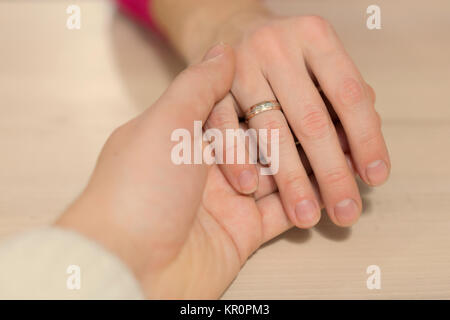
182	229
301	62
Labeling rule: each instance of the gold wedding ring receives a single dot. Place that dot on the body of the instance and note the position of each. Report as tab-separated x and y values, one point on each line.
261	107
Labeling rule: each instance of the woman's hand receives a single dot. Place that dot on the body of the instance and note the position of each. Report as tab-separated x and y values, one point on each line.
289	59
182	229
301	62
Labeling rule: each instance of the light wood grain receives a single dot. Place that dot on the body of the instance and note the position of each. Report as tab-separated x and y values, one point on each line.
62	92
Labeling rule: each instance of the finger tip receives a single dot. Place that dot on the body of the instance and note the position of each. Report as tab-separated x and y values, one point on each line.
248	181
307	214
307	223
377	173
346	213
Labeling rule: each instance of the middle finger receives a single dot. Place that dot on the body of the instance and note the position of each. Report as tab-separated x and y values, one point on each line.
311	123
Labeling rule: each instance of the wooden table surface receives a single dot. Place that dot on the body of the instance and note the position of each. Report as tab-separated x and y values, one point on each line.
62	92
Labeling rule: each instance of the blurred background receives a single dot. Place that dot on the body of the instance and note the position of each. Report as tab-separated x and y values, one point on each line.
63	91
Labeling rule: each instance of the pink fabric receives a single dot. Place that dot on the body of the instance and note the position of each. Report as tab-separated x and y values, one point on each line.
140	10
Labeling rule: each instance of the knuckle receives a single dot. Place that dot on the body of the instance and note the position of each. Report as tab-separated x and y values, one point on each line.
263	34
368	139
266	41
294	182
280	126
315	21
315	28
351	93
337	175
315	123
272	124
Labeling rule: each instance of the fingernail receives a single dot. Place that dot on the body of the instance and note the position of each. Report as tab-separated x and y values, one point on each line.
346	212
377	172
306	212
248	181
215	51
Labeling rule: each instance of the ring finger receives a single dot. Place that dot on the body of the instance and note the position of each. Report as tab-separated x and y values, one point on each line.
297	194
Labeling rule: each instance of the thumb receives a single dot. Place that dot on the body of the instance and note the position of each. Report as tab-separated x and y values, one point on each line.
196	90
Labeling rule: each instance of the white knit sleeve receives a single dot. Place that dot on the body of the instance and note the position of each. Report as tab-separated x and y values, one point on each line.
54	263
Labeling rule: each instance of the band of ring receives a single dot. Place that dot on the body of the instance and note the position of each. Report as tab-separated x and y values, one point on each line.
262	107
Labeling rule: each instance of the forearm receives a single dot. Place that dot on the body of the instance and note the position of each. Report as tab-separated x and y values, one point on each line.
192	26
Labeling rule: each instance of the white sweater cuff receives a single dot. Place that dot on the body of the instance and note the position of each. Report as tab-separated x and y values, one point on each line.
54	263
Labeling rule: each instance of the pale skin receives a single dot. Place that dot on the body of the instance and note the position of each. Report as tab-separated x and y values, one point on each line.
180	239
286	59
185	231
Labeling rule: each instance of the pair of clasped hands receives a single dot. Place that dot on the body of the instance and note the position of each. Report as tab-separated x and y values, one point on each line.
186	230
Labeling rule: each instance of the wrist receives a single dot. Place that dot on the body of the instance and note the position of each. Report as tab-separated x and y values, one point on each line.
208	23
238	25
